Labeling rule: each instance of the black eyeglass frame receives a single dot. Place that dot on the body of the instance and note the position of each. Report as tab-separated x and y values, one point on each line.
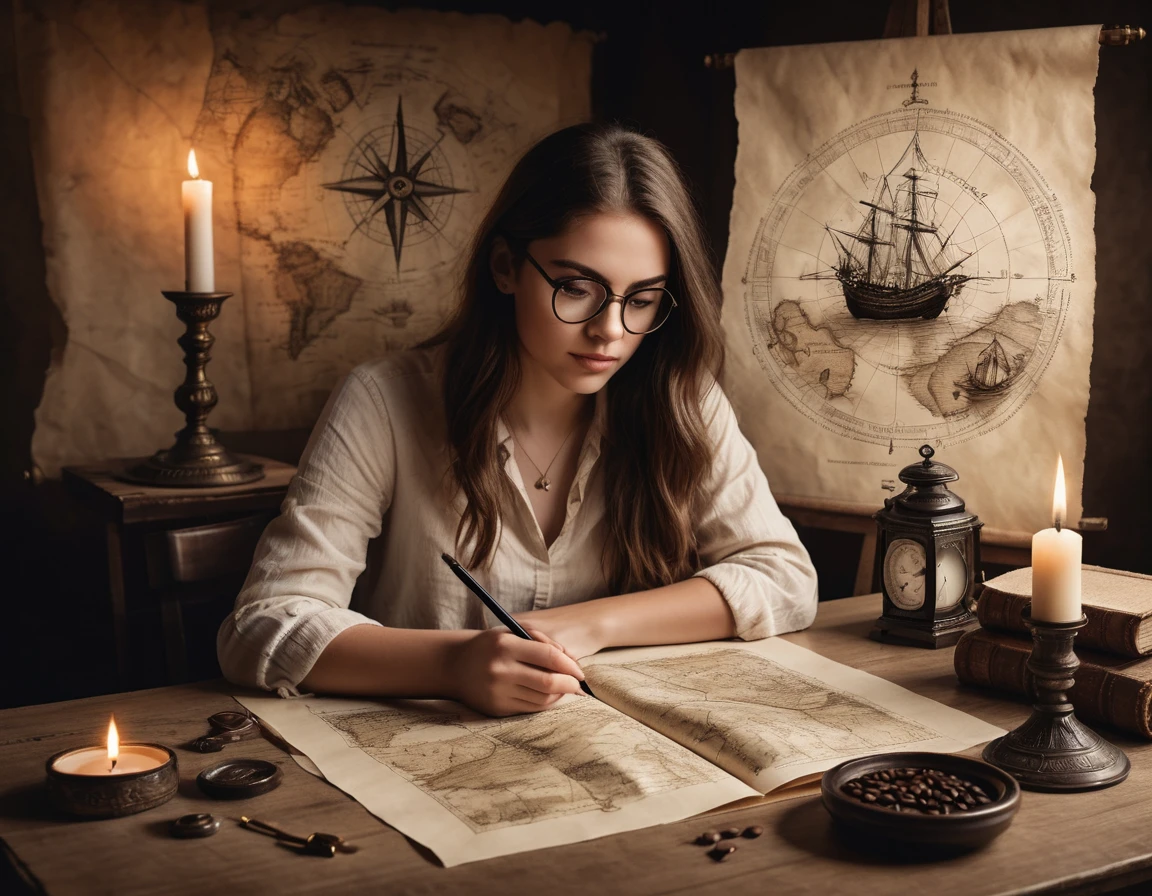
609	298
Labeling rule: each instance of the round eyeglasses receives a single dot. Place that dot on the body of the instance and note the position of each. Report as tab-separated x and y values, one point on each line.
579	299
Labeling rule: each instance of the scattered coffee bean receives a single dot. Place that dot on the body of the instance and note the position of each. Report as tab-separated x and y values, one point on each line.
752	833
721	851
924	790
708	838
730	833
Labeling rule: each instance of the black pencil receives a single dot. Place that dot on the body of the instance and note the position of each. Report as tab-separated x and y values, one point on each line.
492	604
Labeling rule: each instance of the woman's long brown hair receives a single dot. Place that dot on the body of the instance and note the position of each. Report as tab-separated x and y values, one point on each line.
656	452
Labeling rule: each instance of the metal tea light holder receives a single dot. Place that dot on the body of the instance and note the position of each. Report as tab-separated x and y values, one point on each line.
197	460
1054	751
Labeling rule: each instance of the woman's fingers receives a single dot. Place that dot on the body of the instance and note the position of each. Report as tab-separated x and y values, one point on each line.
537	699
547	655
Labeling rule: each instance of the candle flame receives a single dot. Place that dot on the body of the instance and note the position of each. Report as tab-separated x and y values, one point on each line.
113	741
193	169
1059	496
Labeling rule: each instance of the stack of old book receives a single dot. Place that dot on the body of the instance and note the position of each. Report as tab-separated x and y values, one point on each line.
1114	681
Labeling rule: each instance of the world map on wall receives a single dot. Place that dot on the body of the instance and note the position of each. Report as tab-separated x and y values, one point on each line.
909	280
338	139
363	150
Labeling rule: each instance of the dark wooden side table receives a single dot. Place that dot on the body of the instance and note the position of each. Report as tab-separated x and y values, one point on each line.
137	519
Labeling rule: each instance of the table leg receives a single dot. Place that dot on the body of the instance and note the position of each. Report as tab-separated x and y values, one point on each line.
116	588
864	567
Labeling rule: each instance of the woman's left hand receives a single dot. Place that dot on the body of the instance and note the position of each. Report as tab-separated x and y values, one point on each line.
575	628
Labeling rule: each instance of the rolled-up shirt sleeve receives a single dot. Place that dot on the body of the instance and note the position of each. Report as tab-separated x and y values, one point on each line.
297	594
749	550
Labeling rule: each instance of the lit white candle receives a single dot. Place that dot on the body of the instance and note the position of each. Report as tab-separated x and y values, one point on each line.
112	760
199	269
1056	555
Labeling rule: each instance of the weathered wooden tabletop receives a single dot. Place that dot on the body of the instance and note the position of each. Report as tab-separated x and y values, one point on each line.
1067	843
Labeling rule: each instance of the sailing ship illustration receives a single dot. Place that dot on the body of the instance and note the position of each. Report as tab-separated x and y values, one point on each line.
896	265
993	375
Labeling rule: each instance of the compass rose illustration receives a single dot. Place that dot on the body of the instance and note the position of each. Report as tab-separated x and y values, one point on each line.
390	186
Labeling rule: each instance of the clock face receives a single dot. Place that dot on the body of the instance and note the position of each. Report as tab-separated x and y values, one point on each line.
905	575
951	578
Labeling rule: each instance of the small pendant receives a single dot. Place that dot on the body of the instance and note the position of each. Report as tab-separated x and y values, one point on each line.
543	483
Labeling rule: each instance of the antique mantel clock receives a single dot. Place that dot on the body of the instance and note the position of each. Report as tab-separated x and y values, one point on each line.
928	553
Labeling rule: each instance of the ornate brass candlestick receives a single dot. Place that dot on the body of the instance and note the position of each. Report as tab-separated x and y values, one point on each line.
1053	750
197	460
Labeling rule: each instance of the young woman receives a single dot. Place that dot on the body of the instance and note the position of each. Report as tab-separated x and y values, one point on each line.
563	436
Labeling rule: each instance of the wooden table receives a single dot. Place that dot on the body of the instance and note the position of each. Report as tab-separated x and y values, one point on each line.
1067	843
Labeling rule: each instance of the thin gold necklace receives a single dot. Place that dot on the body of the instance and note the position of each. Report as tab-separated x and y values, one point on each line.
543	482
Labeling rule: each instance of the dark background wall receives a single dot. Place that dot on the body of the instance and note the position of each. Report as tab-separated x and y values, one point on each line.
55	632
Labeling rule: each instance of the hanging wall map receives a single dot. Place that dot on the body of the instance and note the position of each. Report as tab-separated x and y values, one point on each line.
911	261
352	150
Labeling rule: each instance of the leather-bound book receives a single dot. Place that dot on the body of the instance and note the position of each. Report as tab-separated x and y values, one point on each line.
1118	606
1112	689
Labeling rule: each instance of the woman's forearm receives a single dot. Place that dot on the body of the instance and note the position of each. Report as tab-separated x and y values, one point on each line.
386	662
688	611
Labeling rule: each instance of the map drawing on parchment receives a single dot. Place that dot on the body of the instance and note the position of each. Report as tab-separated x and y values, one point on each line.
910	279
362	159
747	712
493	773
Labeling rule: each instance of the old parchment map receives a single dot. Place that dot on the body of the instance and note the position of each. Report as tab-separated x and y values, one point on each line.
676	731
912	263
488	773
352	151
365	147
785	719
769	712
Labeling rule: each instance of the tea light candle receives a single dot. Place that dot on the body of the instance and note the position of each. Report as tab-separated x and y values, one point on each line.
94	761
1056	556
113	780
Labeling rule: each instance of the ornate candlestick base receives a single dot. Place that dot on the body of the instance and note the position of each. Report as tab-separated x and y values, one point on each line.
1053	750
197	460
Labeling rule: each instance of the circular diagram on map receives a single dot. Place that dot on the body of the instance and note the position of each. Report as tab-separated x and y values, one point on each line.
397	184
909	280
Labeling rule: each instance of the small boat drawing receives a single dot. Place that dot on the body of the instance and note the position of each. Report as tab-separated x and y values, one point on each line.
895	265
993	375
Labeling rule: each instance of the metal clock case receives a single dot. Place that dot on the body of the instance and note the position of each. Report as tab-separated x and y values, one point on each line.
928	554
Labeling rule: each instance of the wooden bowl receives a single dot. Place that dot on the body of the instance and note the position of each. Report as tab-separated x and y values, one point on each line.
958	831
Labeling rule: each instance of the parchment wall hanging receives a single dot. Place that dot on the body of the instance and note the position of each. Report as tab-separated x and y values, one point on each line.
911	260
352	151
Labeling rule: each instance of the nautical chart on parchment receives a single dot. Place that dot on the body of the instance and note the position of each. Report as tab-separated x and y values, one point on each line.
676	731
911	261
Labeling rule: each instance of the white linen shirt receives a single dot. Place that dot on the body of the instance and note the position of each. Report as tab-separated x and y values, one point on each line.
371	508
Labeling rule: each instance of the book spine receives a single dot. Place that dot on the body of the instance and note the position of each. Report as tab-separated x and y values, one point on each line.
1105	630
1099	694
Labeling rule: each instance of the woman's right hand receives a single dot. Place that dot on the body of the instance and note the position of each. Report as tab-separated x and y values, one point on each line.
500	674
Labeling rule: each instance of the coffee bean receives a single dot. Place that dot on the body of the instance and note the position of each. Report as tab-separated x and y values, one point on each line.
929	791
729	833
720	852
708	838
751	833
